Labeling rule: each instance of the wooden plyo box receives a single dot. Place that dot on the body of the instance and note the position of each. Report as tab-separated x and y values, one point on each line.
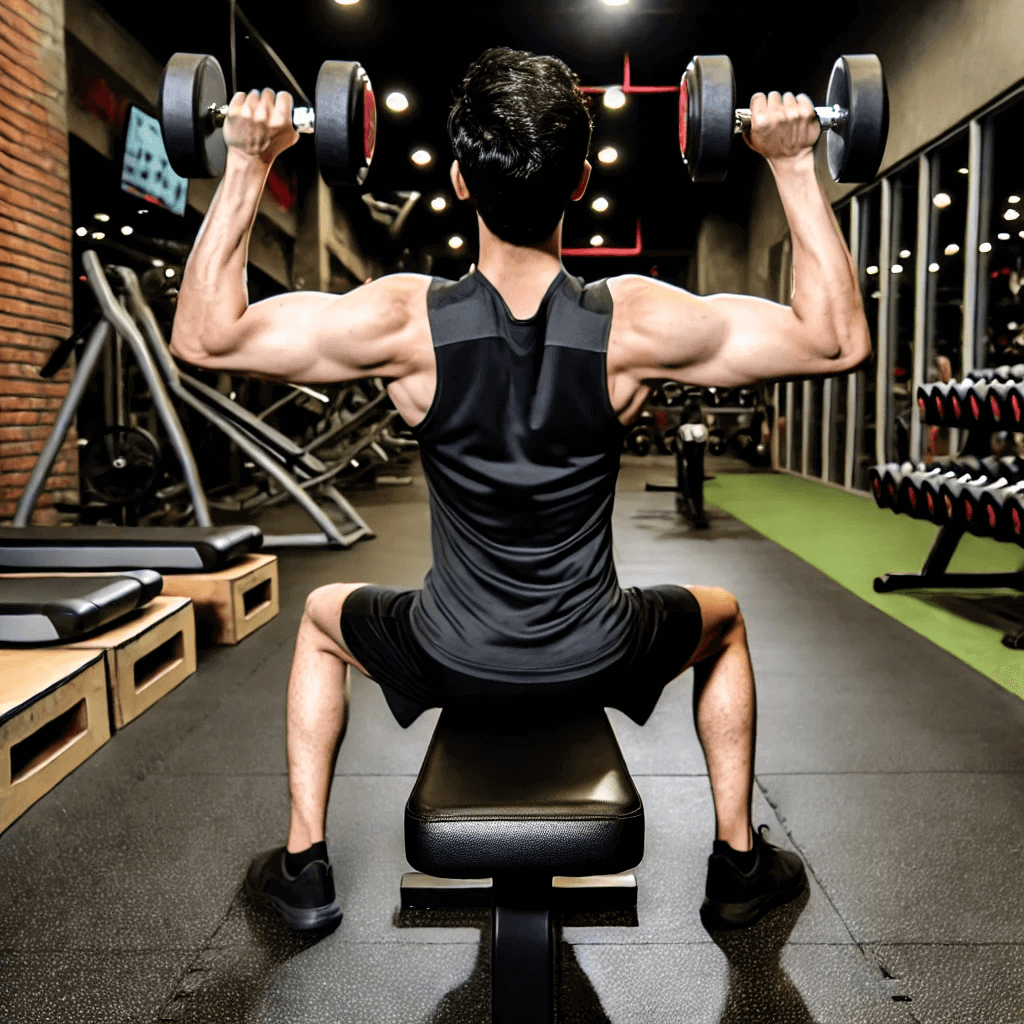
234	602
147	655
53	716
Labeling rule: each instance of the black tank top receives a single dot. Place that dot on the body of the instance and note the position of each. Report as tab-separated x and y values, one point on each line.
520	449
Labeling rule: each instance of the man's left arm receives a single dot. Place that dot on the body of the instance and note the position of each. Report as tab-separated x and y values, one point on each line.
304	337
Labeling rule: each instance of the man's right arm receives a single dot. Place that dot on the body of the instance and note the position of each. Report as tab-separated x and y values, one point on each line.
730	340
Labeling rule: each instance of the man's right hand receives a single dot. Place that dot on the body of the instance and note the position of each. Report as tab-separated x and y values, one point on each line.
782	127
260	125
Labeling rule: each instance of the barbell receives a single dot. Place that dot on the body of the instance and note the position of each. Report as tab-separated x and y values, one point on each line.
192	108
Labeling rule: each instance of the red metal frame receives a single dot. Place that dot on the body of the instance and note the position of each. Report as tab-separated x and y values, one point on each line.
626	87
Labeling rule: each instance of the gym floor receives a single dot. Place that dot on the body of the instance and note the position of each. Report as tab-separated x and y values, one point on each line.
894	768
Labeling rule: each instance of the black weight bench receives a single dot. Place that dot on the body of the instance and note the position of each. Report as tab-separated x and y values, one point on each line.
523	814
165	550
37	611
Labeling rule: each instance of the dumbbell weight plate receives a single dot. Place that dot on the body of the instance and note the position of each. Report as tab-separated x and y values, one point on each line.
855	148
346	122
190	84
707	114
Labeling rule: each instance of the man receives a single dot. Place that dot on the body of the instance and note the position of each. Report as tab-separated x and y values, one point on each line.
518	382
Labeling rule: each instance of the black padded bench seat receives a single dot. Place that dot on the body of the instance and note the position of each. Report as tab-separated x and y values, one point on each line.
64	608
166	550
525	796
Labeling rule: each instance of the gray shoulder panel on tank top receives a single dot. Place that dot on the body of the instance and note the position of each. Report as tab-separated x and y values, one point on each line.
591	305
451	318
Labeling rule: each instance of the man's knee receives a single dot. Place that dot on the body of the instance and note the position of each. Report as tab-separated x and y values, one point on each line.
324	606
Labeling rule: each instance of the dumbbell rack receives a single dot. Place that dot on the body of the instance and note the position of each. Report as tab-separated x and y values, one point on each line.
933	574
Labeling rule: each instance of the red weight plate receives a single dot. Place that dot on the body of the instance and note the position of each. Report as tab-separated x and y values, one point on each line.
683	96
369	122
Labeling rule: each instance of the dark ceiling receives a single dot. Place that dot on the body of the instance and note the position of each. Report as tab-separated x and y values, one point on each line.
426	47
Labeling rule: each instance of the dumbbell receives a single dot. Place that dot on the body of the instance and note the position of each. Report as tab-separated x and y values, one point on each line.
924	495
1004	511
855	120
884	480
192	107
970	507
933	401
1004	372
1006	403
960	495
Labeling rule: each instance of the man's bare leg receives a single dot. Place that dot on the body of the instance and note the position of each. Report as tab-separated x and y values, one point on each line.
317	711
725	712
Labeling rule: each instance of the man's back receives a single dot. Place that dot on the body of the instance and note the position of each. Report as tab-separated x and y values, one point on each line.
520	447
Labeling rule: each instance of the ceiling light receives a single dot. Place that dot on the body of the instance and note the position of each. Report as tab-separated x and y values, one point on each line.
438	204
455	242
421	157
168	272
104	217
600	204
952	249
985	247
81	232
941	200
1011	215
596	240
98	235
158	263
1020	234
127	229
615	3
397	101
897	268
904	254
1012	325
876	295
1013	199
608	155
142	211
933	268
1003	236
346	3
872	270
962	170
614	98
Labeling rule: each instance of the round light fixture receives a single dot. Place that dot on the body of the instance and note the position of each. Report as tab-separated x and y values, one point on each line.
614	98
397	101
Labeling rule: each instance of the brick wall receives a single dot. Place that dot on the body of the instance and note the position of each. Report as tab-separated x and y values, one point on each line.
35	249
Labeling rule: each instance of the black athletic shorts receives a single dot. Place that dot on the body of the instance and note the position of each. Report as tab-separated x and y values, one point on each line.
375	626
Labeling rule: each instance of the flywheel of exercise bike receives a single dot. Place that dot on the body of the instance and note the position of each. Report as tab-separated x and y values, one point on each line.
121	466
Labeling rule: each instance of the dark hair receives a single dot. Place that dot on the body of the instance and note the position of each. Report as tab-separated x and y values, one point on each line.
520	128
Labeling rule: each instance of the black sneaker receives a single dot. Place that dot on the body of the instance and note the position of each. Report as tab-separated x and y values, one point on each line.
737	900
306	902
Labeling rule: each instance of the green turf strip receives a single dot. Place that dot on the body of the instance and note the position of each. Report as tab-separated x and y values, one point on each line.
851	540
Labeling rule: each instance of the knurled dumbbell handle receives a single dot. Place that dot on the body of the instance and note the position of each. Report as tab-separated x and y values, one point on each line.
303	118
828	116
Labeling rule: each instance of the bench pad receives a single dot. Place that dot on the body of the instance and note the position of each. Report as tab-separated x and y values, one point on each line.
165	550
49	609
525	791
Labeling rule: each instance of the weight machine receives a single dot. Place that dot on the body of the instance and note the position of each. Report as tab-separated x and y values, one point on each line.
295	470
